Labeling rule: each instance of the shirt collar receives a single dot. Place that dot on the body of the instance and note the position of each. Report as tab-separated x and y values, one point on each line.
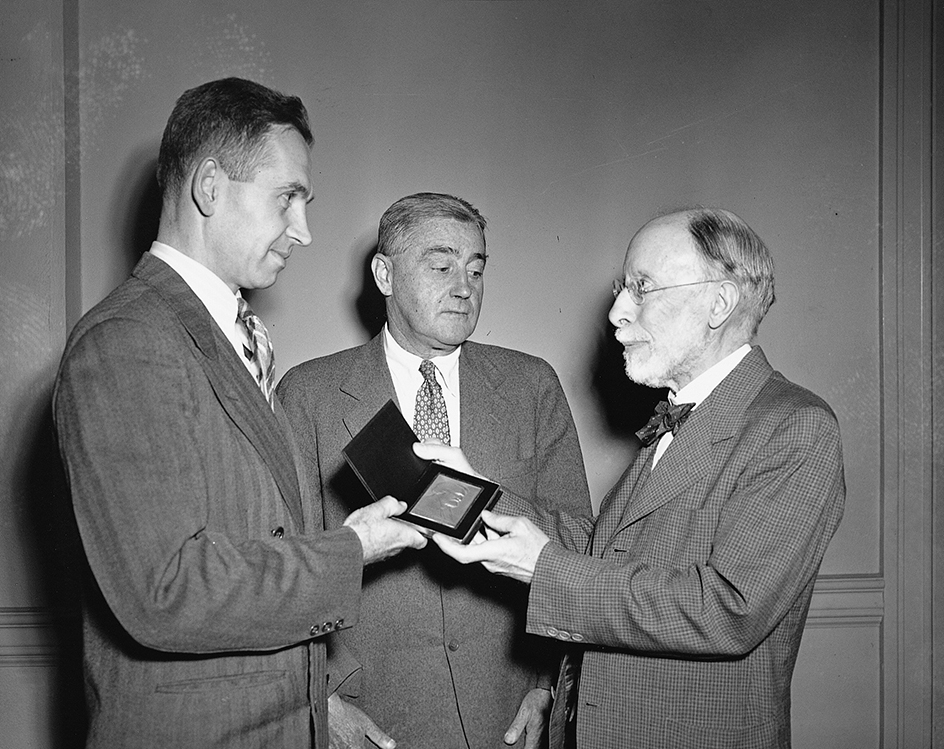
700	388
409	364
216	296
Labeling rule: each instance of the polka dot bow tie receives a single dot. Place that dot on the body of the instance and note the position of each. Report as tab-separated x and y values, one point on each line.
668	418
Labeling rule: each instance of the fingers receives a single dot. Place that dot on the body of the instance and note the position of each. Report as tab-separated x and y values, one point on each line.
517	726
381	534
451	547
501	523
348	725
389	506
376	511
463	553
452	457
379	737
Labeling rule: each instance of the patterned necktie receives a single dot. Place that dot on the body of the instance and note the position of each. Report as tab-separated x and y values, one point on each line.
260	351
669	417
430	418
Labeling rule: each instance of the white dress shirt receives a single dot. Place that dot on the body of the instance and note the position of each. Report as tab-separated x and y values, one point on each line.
698	389
405	372
216	296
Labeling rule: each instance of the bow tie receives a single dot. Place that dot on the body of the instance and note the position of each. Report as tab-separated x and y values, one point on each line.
668	418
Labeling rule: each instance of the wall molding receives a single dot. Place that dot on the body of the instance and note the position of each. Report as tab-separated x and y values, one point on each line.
906	366
847	601
28	637
28	634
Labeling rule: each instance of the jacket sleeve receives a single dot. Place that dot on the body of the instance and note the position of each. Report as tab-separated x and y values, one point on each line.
172	503
560	478
765	546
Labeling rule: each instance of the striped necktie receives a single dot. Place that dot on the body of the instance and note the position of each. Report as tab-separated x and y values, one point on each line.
259	351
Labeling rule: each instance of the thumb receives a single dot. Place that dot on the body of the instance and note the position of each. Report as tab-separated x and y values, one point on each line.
389	506
501	523
517	726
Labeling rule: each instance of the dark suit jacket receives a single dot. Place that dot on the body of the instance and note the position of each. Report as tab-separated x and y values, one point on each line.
692	600
443	648
211	572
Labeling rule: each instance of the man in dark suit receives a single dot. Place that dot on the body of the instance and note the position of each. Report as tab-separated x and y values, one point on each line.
686	597
212	582
445	661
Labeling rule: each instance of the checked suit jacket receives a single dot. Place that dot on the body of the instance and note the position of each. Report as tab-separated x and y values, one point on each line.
212	581
690	602
445	659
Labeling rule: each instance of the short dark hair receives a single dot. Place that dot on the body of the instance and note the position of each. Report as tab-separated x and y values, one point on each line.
229	119
731	247
400	219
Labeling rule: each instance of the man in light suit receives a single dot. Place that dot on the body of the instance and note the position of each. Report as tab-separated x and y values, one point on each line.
445	661
686	597
212	583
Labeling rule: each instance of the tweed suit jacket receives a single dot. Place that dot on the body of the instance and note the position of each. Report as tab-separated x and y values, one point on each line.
445	657
210	574
691	601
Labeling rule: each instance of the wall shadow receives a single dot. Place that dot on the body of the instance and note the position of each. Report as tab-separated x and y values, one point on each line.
55	554
369	303
137	210
625	405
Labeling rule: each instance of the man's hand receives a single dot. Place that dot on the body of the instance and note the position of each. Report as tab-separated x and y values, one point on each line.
349	727
514	553
531	718
452	457
380	535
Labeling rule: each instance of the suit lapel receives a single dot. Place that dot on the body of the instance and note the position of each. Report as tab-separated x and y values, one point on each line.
616	502
481	400
369	386
690	455
235	388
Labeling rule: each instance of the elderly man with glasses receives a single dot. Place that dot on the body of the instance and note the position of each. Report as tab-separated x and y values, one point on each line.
684	600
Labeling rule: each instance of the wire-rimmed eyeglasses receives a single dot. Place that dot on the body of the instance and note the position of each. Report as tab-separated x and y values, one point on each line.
638	293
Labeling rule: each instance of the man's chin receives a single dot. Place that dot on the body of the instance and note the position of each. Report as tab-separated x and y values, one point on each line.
264	280
456	335
642	374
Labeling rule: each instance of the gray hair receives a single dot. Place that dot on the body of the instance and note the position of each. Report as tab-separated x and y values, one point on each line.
729	246
400	219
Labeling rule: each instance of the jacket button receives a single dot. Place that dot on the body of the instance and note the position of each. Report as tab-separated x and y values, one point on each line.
453	646
278	532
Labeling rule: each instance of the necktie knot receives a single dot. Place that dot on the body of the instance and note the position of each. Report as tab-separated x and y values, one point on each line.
668	418
259	351
430	417
428	370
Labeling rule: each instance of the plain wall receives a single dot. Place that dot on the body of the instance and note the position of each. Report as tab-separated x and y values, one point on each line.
568	124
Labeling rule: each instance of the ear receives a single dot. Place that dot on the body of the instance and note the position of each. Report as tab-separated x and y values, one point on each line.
723	304
205	186
382	268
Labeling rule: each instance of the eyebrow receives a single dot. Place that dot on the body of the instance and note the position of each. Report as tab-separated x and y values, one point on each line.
299	188
447	250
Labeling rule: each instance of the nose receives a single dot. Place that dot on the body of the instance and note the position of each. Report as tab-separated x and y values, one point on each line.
623	310
462	287
298	226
